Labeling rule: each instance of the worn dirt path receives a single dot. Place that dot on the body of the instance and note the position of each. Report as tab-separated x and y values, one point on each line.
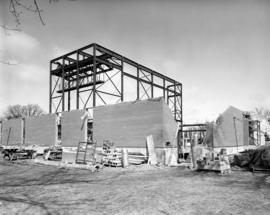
39	189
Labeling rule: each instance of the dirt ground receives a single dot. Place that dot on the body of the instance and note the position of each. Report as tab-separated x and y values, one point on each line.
30	188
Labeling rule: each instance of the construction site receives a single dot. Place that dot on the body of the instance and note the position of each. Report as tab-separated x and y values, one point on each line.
114	142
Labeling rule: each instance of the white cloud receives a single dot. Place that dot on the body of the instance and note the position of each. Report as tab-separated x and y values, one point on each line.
18	46
23	84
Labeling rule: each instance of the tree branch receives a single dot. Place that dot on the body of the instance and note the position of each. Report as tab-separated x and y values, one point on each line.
14	12
39	12
29	8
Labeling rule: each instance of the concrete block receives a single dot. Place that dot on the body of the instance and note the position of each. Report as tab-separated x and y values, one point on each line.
41	130
74	128
128	124
12	132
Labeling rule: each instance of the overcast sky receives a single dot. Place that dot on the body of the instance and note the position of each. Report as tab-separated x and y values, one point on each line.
219	50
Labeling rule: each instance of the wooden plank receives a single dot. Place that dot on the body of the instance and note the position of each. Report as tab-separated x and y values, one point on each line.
152	159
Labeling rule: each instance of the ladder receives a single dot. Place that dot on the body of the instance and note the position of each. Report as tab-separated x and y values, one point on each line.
86	152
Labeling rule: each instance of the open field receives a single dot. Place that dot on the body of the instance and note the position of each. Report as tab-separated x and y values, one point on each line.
27	188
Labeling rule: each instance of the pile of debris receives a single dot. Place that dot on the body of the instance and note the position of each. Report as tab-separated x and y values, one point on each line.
254	159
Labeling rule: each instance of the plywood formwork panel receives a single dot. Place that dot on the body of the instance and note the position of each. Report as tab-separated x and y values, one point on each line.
41	130
12	132
128	124
74	127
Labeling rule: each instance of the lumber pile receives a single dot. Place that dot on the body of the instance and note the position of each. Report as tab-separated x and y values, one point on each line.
137	158
53	153
111	155
114	157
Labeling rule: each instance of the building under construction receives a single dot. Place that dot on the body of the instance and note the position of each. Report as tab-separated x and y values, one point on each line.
96	94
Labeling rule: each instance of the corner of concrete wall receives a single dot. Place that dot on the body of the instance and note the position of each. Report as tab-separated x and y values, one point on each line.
169	125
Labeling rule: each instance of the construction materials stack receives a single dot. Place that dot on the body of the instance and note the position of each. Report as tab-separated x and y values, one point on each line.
111	156
53	153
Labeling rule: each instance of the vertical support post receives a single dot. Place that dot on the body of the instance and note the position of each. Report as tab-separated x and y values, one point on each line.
181	141
174	101
68	92
23	131
122	80
164	91
152	86
1	132
94	75
63	85
50	89
138	86
77	83
168	94
181	106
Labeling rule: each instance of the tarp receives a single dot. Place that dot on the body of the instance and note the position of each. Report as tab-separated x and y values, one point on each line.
254	158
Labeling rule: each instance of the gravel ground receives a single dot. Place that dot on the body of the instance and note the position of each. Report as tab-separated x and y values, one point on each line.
30	188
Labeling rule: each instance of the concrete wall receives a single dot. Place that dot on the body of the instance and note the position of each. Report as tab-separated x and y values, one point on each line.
12	132
74	128
41	130
170	125
128	124
230	130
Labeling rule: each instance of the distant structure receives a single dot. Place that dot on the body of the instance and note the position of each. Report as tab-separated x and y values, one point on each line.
234	130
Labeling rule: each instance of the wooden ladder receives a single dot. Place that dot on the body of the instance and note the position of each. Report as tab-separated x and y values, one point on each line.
86	152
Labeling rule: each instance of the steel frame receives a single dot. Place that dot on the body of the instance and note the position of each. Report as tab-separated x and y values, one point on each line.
94	75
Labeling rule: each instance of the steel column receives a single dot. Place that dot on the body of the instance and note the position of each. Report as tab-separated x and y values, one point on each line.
94	75
138	86
122	80
77	83
63	86
50	89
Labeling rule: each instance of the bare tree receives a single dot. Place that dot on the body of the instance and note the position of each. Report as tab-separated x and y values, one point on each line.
17	7
263	112
17	111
